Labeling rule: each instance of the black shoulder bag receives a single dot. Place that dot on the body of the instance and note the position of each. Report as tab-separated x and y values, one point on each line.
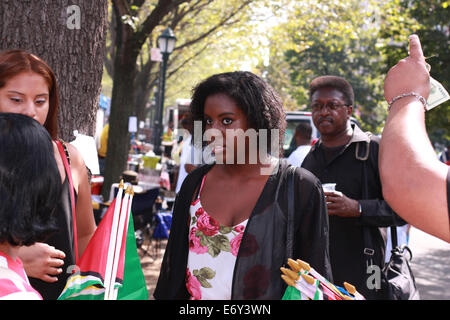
397	279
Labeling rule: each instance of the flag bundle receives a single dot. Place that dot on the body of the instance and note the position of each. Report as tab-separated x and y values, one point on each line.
305	283
110	268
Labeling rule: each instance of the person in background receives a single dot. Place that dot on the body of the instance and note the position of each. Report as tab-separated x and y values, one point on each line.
303	141
28	86
348	157
29	189
186	155
444	156
415	183
229	233
102	151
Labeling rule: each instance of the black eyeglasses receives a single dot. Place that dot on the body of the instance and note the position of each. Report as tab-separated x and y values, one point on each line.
329	105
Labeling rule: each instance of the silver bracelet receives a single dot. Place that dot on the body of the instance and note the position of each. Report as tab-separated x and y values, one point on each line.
409	94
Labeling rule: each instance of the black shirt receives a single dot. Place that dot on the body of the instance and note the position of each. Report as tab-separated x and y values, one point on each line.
347	243
61	240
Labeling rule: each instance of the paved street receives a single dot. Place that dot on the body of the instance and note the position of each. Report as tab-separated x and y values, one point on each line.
430	264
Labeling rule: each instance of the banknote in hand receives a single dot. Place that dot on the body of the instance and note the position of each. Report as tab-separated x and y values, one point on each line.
438	94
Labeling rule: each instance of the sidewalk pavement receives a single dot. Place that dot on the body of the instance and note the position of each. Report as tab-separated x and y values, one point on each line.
430	265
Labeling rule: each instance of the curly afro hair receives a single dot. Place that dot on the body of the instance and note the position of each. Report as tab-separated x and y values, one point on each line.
255	97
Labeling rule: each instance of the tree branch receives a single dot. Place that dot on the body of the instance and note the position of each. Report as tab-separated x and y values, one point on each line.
153	20
221	23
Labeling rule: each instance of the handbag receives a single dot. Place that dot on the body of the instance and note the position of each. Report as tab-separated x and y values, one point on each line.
397	278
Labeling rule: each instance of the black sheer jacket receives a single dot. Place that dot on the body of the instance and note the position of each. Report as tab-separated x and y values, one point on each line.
263	248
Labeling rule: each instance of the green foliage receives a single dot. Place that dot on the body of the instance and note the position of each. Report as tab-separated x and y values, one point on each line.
360	41
335	38
237	45
429	19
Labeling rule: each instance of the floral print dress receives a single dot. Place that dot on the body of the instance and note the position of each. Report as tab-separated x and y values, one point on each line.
213	249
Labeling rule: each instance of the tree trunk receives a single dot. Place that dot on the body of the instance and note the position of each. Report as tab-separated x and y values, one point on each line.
144	85
70	37
128	44
122	107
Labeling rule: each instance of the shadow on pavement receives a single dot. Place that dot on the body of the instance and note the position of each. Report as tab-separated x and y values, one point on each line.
432	272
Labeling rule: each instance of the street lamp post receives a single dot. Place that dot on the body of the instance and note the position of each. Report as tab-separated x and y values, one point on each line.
166	44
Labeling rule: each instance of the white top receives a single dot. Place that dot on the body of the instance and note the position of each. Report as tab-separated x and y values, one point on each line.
213	249
296	158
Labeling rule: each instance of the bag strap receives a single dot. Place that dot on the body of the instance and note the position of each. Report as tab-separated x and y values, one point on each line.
394	237
368	245
290	213
63	154
367	240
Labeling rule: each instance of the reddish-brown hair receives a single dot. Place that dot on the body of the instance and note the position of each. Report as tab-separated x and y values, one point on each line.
14	62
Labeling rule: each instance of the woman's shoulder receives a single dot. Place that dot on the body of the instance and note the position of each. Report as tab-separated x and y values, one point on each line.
76	159
198	172
301	175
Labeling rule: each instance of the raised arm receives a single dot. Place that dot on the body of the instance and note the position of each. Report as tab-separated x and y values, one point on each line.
413	179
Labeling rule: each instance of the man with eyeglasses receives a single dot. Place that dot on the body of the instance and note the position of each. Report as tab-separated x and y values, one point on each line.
348	157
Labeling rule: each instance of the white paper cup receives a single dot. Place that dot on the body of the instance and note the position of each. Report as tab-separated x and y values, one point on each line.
329	187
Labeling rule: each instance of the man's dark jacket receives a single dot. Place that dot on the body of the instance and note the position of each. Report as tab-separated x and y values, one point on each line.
263	247
347	244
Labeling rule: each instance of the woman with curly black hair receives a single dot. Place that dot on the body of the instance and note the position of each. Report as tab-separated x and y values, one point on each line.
29	187
230	233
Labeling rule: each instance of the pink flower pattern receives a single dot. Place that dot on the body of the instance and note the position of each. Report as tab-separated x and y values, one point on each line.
235	243
194	242
216	239
193	286
207	225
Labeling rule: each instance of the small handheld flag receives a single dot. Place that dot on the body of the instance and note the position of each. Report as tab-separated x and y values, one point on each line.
110	268
305	283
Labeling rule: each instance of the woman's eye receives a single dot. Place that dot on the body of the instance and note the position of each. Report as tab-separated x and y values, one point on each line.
16	99
227	121
40	101
208	122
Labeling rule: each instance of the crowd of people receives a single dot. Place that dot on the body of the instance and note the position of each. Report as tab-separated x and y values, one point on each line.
238	219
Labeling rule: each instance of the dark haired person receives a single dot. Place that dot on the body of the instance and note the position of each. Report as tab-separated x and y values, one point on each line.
348	157
415	183
29	189
229	230
28	86
302	138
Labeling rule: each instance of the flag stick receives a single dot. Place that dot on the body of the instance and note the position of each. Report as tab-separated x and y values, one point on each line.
127	221
112	239
118	244
121	233
305	266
